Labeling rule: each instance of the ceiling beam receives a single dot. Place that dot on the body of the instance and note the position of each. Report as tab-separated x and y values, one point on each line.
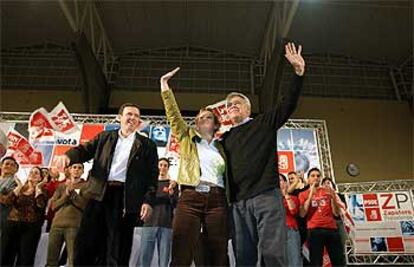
68	15
278	25
83	16
289	13
93	52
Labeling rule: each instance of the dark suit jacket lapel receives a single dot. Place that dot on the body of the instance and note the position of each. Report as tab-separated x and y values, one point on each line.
135	148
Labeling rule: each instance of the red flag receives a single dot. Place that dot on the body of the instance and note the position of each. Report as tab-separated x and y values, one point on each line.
61	119
40	126
173	147
22	150
220	110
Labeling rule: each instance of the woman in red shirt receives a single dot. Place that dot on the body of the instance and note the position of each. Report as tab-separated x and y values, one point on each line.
320	207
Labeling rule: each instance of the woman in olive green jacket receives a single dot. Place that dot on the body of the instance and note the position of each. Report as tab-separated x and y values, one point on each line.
202	206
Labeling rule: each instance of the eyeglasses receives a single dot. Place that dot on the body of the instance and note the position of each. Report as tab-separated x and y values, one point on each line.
234	103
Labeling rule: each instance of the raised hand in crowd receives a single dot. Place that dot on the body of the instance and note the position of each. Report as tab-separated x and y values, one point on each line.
19	186
40	187
42	182
69	187
312	190
335	200
166	77
301	176
293	183
54	172
284	191
61	162
295	58
304	209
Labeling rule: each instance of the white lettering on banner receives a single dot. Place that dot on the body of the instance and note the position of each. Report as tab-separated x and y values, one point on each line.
68	141
398	212
382	228
371	202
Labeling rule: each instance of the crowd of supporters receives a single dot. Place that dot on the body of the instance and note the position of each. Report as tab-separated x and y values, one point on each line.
44	198
49	198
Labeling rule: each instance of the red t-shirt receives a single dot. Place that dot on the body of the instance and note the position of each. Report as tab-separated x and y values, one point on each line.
290	214
51	187
320	210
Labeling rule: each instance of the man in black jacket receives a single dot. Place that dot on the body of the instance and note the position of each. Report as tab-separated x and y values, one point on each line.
121	184
259	228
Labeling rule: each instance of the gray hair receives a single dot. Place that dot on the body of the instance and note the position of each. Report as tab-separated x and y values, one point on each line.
234	94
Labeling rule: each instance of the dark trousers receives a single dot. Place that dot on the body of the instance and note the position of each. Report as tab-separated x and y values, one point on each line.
259	230
329	238
303	231
19	242
195	211
105	234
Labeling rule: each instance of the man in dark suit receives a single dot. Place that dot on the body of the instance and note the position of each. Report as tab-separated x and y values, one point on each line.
121	186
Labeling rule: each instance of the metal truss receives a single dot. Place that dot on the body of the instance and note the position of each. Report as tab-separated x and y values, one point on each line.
202	70
49	66
377	259
318	125
399	83
331	75
106	119
181	51
86	118
278	25
376	186
44	66
83	16
323	142
407	72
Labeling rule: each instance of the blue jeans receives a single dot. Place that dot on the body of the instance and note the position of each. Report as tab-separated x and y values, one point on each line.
151	237
293	248
259	230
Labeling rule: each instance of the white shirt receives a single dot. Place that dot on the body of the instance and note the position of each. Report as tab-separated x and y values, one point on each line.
121	155
212	164
243	122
